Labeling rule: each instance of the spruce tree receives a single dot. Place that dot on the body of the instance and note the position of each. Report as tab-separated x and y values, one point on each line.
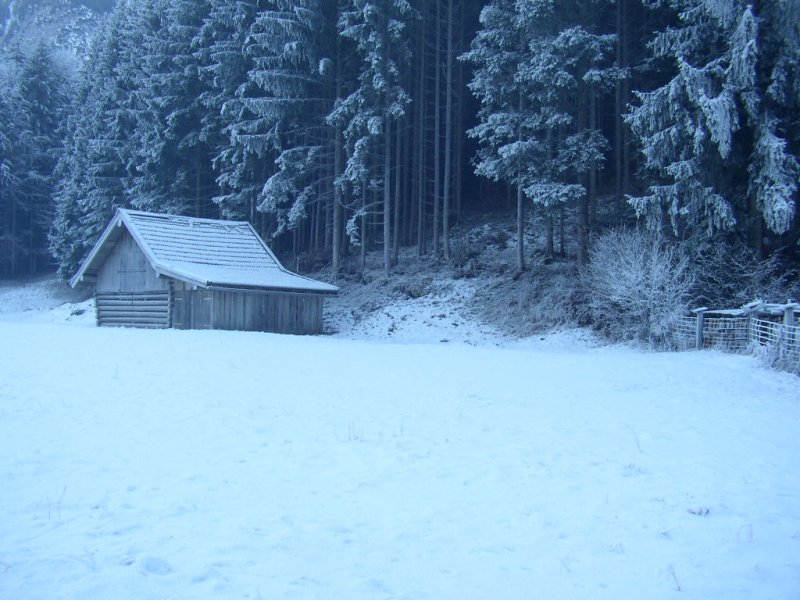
173	172
240	152
540	66
95	171
41	100
717	137
9	169
295	71
374	108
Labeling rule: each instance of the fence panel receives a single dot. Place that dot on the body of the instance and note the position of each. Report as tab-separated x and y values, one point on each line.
729	334
776	343
779	344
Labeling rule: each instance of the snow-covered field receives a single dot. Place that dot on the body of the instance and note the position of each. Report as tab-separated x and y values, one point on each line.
190	465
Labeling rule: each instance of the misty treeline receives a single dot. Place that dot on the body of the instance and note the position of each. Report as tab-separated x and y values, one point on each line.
338	127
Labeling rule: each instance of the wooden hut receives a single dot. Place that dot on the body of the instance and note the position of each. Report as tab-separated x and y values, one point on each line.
156	270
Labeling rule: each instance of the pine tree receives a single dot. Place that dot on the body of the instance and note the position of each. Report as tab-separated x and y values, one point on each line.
240	142
539	69
95	169
295	72
497	51
9	168
377	104
715	132
173	172
41	99
220	50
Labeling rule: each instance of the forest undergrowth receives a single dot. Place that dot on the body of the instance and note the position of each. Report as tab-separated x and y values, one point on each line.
621	303
480	283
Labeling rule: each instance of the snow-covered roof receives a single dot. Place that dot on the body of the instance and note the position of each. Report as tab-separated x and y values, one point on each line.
203	252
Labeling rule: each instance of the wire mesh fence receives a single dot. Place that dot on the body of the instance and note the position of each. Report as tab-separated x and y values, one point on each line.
777	343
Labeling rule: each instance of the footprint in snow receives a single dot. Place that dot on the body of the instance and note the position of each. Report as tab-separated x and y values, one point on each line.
156	566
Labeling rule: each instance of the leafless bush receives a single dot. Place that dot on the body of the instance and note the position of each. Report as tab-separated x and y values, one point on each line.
637	286
414	287
729	275
462	250
313	260
541	299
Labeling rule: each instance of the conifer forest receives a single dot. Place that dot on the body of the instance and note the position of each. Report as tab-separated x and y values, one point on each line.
347	126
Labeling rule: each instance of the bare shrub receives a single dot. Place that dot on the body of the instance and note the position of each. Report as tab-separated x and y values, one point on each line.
414	288
729	275
637	286
313	260
462	250
539	300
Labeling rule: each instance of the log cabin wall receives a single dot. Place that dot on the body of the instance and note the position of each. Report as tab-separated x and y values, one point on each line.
129	292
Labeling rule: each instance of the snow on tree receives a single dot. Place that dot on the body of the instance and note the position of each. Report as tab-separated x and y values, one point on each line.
172	163
294	70
34	106
717	118
378	103
95	169
241	143
539	70
220	50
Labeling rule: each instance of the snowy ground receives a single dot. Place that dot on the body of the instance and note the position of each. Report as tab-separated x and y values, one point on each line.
189	465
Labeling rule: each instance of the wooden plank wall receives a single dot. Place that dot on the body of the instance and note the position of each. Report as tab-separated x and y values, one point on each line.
191	309
247	311
128	270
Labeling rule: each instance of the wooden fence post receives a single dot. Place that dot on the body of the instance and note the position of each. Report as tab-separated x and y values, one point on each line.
788	314
699	330
789	323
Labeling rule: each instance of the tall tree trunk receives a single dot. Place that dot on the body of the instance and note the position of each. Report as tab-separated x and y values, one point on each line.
459	110
319	221
328	209
583	201
13	238
550	247
626	96
437	125
755	231
397	188
520	202
421	116
619	111
408	183
363	226
592	216
448	135
197	192
387	199
520	229
338	169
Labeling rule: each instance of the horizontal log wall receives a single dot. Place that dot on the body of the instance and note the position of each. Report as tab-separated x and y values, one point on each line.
150	309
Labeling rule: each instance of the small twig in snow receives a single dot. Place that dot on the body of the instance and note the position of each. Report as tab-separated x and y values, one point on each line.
675	578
